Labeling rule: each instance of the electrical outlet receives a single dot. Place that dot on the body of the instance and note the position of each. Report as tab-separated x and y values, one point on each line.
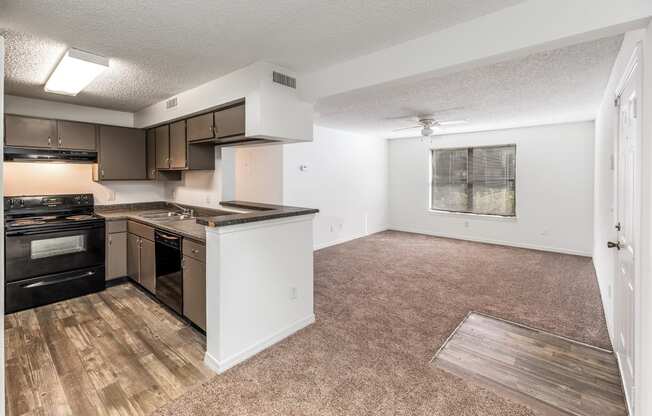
293	293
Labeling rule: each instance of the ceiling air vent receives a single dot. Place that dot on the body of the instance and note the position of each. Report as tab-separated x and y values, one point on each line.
283	79
171	103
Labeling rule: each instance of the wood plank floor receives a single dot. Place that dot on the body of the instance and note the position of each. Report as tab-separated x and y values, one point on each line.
117	352
551	374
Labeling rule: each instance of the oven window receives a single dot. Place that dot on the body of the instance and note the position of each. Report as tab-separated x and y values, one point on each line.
57	246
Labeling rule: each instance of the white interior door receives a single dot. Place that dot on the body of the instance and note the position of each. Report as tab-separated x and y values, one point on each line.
627	194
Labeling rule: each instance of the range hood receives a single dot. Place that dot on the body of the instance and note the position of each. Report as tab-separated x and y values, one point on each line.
26	154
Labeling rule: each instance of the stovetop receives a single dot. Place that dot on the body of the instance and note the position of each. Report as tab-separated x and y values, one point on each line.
36	211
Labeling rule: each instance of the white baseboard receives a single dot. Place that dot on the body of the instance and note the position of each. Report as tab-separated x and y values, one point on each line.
221	366
492	241
319	246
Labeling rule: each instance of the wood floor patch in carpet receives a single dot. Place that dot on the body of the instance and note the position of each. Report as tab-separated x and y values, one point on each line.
548	373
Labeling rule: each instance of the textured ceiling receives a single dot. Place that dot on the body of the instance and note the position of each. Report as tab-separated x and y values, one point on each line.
550	87
159	48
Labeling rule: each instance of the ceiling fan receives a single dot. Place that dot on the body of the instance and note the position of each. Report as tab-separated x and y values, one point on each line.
426	122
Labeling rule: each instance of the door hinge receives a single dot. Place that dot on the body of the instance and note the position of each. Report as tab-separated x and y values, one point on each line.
618	227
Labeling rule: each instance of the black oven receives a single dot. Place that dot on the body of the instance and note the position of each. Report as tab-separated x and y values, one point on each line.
49	250
54	249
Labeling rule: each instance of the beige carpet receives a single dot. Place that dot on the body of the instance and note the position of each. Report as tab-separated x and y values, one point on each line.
384	305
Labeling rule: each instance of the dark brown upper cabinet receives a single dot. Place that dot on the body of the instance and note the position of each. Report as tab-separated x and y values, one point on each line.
122	154
76	136
178	145
230	121
162	147
201	127
151	154
23	131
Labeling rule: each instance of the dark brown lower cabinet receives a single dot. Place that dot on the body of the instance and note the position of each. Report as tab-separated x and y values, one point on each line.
133	257
141	261
194	291
148	265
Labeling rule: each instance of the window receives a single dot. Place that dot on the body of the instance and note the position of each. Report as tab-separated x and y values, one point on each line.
477	180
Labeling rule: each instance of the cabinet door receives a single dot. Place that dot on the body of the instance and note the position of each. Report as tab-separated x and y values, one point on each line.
230	122
178	145
29	131
194	291
122	153
163	147
151	154
116	255
76	136
148	265
133	257
200	127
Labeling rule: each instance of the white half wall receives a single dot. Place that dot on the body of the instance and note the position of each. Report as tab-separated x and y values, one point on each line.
345	177
554	189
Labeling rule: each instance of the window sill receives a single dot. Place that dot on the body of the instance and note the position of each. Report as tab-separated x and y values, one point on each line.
473	216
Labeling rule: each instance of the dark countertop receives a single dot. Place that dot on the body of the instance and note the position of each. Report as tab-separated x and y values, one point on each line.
195	228
258	212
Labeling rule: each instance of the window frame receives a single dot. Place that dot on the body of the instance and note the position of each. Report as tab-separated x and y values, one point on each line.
431	169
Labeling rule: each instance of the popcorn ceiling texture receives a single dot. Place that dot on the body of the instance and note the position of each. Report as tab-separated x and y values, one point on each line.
160	48
555	86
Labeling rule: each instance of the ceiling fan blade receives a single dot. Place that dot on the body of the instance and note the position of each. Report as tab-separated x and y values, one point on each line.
404	117
452	122
409	128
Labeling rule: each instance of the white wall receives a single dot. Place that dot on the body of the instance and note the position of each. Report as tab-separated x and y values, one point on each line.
64	111
2	242
346	179
51	178
201	188
259	174
554	189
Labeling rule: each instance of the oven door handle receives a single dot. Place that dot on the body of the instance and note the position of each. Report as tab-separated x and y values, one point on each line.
54	282
43	231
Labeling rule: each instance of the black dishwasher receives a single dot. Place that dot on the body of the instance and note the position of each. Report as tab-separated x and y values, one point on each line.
169	277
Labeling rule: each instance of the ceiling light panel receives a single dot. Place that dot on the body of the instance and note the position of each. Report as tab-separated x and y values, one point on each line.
75	71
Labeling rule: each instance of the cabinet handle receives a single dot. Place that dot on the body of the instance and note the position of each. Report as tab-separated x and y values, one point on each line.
195	251
183	263
49	141
110	241
153	172
102	172
215	131
59	141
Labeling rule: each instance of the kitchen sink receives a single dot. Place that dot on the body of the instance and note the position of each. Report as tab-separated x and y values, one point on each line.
167	216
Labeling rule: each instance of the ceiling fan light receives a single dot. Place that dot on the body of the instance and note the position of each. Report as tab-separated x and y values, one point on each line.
75	71
427	131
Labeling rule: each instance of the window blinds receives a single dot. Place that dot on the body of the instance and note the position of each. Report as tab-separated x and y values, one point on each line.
479	180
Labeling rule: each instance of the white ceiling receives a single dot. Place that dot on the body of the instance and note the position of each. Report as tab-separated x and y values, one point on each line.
549	87
159	48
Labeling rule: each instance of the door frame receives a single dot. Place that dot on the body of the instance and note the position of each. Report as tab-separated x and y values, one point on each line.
635	62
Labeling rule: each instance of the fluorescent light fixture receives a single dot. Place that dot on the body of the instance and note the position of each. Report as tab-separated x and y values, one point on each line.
75	71
453	122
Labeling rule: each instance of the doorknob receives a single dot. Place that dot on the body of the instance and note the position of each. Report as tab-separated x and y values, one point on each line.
611	244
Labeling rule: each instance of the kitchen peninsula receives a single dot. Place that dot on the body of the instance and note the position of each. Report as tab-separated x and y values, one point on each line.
256	259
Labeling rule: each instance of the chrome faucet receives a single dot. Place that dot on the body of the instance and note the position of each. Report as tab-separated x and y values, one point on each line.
184	210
